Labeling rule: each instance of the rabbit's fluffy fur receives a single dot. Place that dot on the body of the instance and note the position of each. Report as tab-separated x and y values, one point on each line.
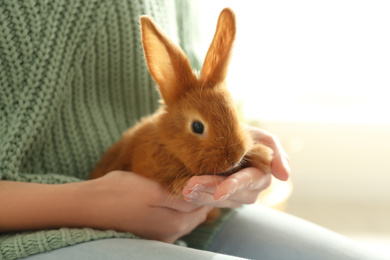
164	145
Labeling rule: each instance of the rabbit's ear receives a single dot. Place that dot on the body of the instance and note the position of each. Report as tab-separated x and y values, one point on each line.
217	60
167	63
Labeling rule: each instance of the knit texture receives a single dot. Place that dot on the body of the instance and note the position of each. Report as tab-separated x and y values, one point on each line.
72	79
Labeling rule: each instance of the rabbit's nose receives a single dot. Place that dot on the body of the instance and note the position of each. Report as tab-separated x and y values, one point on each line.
232	158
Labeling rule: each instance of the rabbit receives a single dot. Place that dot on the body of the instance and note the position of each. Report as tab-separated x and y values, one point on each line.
196	130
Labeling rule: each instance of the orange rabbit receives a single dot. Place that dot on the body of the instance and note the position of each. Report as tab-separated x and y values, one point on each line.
196	131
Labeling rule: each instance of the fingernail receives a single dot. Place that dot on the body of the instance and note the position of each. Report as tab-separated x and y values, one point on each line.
193	195
224	197
198	187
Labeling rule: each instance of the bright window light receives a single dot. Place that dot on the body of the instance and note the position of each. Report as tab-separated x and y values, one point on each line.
310	61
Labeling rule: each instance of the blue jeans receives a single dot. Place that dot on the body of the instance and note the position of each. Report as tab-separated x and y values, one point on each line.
255	232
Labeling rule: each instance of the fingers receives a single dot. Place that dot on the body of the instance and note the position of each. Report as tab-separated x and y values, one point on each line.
206	183
178	224
177	216
206	198
240	188
247	179
173	202
280	167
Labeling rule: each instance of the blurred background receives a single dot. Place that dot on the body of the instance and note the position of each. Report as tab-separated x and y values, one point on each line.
317	75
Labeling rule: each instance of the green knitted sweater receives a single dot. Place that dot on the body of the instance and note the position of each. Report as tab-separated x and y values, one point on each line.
72	79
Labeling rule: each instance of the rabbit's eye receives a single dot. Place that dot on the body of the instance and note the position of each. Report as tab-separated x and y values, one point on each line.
197	127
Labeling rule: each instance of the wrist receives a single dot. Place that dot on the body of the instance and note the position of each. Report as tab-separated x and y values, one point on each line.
87	204
29	206
67	205
96	205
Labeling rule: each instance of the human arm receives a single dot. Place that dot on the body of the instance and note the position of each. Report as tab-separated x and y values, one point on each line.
244	186
122	201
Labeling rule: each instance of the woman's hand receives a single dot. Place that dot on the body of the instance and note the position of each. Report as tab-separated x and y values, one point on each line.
130	202
242	187
123	201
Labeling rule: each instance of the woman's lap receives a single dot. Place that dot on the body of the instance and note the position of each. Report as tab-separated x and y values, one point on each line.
134	249
254	232
257	232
